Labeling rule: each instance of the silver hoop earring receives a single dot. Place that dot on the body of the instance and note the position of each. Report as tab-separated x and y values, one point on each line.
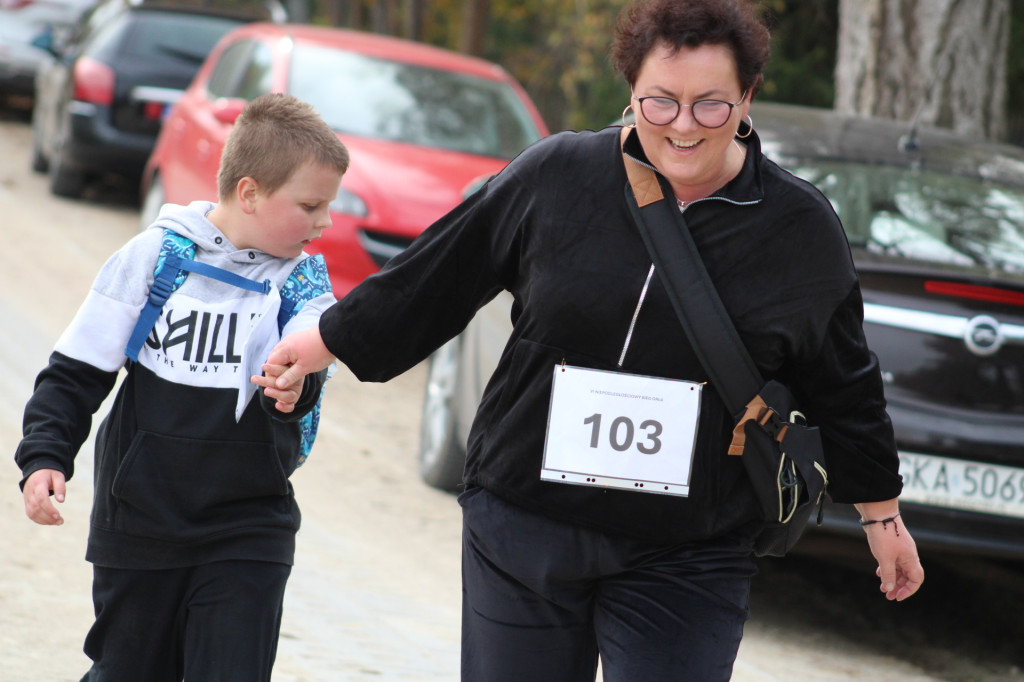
628	107
750	128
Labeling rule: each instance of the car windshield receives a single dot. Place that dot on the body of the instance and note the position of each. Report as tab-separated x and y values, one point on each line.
401	102
925	216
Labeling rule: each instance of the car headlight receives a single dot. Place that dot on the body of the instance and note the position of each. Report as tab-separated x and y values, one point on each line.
349	203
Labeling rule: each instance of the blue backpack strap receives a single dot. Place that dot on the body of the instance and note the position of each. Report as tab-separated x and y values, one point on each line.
307	280
176	260
220	274
168	277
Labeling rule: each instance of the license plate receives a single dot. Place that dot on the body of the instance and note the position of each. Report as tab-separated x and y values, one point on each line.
962	484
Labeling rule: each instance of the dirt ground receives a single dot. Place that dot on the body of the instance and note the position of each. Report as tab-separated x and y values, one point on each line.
375	592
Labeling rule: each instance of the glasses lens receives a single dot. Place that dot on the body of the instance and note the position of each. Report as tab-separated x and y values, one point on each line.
659	111
711	113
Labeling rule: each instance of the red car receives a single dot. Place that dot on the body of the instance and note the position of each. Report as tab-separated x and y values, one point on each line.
423	126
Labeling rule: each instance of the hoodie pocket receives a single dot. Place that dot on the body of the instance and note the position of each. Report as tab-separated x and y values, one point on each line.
178	489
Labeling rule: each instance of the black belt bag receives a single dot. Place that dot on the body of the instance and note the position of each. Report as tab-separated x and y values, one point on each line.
783	457
781	453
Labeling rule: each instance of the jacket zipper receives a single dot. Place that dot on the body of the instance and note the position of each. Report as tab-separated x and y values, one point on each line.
650	273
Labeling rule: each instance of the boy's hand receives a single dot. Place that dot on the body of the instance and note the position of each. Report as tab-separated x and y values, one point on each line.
38	506
285	397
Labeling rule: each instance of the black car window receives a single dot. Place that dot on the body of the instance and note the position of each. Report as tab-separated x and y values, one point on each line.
371	97
926	216
164	35
228	69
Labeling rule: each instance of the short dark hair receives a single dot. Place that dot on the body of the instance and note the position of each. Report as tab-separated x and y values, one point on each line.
273	136
736	24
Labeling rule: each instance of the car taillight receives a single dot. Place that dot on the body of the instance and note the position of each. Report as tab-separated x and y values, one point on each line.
975	292
15	4
94	82
153	111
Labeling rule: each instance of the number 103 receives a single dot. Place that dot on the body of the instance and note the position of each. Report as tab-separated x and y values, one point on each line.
621	434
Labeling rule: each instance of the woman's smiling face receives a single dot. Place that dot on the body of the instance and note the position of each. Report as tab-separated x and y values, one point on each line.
695	159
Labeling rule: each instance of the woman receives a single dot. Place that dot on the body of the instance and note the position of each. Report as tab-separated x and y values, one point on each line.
556	574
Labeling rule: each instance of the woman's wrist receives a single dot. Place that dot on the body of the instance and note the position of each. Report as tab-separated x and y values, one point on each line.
883	515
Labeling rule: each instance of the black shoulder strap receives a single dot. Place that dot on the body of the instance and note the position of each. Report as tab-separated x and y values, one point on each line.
694	298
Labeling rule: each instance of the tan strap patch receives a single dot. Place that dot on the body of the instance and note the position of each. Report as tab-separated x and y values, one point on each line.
759	411
756	409
641	178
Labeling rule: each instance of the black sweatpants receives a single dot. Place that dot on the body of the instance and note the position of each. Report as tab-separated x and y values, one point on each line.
543	599
213	623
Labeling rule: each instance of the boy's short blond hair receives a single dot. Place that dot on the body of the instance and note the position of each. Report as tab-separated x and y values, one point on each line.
274	135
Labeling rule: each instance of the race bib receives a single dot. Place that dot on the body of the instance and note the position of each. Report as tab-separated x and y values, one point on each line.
615	430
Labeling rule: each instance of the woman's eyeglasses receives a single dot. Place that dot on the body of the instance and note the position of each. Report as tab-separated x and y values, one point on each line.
709	113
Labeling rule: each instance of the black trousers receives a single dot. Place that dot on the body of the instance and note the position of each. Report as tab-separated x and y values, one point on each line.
543	599
213	623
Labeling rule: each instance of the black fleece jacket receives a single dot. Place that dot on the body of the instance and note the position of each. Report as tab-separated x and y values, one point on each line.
553	228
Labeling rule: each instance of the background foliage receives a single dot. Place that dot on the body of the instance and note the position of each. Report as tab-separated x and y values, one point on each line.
558	50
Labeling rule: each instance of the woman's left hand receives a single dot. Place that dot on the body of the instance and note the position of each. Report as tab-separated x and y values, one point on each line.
295	356
899	567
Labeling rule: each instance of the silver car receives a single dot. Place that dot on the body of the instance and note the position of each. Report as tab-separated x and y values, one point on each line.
21	22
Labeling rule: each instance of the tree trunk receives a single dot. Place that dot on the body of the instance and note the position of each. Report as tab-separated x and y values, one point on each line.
383	18
475	15
414	11
942	62
343	13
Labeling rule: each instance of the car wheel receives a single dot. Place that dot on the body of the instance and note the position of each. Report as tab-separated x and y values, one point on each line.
64	180
442	456
154	199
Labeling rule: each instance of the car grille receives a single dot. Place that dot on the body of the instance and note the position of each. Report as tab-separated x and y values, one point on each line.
381	246
948	349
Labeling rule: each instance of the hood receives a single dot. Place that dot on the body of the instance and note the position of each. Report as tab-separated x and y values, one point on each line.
408	187
190	221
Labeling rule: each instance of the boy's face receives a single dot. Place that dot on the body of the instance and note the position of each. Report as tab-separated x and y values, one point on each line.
293	216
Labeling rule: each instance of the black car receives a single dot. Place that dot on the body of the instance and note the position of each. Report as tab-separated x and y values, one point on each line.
936	226
102	98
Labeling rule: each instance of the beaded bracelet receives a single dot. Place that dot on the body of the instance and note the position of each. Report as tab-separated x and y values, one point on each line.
884	522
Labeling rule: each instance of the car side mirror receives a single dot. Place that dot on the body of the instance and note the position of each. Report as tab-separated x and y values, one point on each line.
45	41
228	109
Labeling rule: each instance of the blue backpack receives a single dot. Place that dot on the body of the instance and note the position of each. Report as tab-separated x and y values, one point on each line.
177	258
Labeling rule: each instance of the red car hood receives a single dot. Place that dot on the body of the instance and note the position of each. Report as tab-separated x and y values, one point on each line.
407	187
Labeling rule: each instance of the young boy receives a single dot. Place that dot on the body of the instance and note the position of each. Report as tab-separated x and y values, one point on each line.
193	524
